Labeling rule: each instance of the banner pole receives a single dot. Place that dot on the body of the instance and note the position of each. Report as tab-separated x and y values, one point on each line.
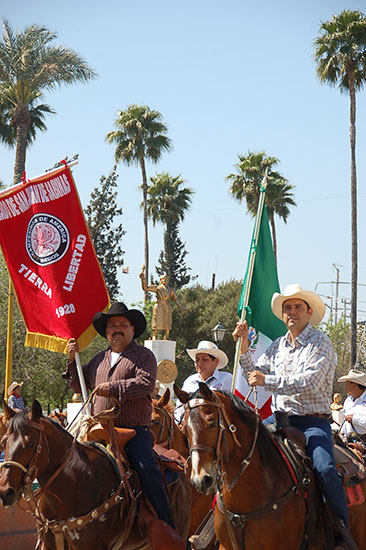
9	341
84	391
250	269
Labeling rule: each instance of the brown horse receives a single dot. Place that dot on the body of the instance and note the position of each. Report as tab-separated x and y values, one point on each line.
82	503
60	417
167	433
260	504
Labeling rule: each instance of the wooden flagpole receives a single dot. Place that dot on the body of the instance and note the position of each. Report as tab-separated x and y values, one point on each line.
250	268
9	341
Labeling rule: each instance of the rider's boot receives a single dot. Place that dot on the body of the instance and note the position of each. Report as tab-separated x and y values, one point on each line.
343	540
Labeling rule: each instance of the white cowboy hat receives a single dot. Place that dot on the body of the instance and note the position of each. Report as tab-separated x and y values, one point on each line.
296	291
14	385
211	349
354	375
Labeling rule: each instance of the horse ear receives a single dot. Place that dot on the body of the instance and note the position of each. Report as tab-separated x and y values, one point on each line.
205	391
8	411
36	413
164	400
182	395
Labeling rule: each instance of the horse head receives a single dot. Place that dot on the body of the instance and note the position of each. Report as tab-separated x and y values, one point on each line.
211	421
26	453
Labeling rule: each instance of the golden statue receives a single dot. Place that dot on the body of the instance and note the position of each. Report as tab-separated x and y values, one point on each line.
162	312
336	405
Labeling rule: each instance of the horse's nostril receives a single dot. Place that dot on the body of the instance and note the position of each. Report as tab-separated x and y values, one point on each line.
7	497
206	481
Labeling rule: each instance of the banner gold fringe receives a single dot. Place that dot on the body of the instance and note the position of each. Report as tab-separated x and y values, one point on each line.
54	343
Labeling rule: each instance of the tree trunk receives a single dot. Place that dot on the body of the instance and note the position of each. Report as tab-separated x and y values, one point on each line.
146	237
354	261
274	238
22	120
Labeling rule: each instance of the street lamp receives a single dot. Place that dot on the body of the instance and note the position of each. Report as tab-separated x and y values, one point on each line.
218	333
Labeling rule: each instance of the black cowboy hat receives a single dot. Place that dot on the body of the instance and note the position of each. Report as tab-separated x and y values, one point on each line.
136	318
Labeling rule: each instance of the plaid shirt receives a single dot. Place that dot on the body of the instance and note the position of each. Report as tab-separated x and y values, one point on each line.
16	402
300	375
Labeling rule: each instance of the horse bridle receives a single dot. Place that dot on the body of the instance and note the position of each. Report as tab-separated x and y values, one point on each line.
31	470
223	418
169	421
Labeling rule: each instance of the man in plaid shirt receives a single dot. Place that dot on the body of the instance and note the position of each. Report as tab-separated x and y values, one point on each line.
298	368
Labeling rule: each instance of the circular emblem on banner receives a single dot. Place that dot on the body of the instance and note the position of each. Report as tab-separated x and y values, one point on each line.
167	371
47	239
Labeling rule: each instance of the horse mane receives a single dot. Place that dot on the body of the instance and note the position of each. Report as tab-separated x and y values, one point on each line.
18	423
268	452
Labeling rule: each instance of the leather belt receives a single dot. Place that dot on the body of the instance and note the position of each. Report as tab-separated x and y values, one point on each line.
315	415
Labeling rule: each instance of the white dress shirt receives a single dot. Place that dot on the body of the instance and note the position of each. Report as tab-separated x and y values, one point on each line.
219	380
357	407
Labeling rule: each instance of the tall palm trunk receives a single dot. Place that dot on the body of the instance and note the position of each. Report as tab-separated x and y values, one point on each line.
354	261
274	238
146	237
22	120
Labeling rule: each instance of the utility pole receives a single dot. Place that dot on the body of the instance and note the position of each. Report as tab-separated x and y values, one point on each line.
336	296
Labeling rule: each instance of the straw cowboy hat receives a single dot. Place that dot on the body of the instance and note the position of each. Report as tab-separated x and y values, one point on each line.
354	375
136	318
296	291
14	385
211	349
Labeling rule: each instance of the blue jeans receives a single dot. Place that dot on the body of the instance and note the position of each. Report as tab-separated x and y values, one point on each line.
319	447
140	454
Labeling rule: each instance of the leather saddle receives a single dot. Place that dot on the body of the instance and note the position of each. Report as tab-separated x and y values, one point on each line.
169	459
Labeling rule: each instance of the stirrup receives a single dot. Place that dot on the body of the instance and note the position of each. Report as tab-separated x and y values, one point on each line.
204	533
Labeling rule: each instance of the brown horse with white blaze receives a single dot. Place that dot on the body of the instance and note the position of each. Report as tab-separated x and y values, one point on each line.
83	503
260	505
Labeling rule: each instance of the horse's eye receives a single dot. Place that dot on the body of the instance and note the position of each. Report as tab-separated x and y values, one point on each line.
155	422
29	443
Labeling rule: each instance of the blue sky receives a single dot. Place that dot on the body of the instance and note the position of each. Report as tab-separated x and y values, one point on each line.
228	77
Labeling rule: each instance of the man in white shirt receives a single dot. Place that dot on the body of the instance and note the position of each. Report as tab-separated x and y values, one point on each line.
208	361
354	407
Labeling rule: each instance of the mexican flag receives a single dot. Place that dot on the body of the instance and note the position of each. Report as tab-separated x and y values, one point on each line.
265	326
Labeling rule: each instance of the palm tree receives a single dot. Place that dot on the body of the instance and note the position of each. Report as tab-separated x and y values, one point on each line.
141	135
167	203
8	131
30	65
247	182
340	55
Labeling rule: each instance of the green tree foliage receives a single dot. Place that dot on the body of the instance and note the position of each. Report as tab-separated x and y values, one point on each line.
101	213
172	258
29	65
141	135
246	184
340	56
167	203
39	369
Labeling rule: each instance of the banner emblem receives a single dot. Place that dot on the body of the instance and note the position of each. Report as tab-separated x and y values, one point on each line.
47	239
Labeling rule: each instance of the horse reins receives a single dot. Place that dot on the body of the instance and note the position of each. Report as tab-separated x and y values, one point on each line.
169	421
223	418
31	470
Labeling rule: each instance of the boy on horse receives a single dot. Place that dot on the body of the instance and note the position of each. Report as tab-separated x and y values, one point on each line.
298	368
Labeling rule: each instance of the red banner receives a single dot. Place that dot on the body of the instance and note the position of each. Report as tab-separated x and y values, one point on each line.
46	243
